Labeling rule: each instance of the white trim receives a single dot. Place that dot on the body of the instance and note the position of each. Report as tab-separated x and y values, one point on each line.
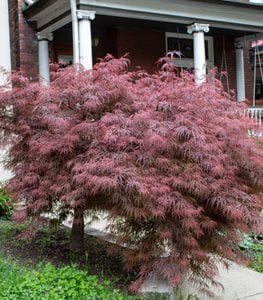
189	9
86	14
197	27
44	35
187	62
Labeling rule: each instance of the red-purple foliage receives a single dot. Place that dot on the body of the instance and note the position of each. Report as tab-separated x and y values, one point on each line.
171	161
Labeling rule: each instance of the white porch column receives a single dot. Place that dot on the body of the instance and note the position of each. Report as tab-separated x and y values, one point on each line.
5	64
240	72
43	57
85	41
5	56
75	31
198	31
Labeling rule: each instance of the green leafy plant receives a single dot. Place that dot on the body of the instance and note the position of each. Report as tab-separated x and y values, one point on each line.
247	242
8	228
6	207
50	283
257	263
44	241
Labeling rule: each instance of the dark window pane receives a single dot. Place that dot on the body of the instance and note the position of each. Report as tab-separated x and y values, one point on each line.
185	46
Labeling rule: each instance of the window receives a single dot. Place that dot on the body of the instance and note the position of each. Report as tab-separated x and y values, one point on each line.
184	43
256	59
65	59
259	81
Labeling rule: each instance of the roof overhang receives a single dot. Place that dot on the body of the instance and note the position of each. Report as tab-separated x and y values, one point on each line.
50	15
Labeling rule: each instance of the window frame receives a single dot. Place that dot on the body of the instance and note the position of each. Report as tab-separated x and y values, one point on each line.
189	62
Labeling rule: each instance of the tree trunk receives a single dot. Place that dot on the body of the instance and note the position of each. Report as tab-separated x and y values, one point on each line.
77	231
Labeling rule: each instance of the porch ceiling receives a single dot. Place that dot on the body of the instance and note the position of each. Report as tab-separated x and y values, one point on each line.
53	14
112	22
106	22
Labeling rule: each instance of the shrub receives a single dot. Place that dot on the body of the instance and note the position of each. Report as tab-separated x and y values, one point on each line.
171	161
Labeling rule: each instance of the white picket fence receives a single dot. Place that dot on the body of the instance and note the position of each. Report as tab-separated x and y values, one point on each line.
256	113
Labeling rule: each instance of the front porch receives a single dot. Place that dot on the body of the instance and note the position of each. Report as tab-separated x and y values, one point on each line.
81	31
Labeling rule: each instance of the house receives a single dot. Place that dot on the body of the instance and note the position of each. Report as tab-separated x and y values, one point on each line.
226	34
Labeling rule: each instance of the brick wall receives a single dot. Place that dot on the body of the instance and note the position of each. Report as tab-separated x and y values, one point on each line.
228	41
144	45
107	43
24	45
220	43
249	76
14	34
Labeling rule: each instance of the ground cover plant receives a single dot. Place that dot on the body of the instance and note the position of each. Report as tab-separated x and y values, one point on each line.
48	282
252	247
51	246
18	258
257	262
6	206
172	163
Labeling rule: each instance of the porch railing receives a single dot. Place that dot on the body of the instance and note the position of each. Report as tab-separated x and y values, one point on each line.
256	113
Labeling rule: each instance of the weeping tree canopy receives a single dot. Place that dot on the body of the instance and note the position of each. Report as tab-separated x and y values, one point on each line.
172	163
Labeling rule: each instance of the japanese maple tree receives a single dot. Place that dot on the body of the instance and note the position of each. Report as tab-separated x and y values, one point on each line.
172	162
